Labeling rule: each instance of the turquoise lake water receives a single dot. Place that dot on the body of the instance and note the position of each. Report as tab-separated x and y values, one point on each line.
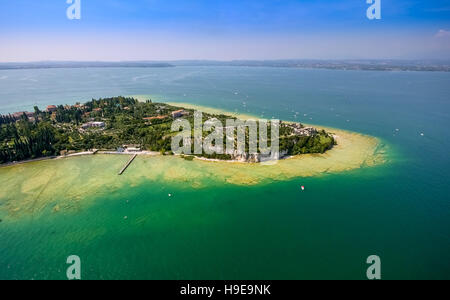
399	211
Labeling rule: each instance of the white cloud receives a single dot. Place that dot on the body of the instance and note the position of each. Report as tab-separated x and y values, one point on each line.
443	34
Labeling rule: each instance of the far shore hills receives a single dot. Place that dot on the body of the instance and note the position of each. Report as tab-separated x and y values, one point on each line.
355	65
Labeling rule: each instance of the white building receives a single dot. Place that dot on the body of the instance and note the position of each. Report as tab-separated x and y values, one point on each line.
93	125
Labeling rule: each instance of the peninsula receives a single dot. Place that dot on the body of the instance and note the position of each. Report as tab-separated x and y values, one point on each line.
126	125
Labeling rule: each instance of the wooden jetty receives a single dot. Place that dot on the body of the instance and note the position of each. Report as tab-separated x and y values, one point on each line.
128	164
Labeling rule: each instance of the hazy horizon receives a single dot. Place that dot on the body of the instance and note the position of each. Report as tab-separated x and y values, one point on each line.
446	60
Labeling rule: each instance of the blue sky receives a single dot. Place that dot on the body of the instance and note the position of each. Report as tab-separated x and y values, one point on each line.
32	30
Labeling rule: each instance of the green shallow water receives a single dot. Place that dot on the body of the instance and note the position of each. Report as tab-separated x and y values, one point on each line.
225	231
211	229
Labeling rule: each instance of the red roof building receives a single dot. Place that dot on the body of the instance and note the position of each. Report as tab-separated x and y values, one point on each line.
51	108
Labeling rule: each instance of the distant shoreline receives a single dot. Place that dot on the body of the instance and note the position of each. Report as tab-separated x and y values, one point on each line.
343	65
80	65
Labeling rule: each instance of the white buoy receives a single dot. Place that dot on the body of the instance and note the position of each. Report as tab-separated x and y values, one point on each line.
303	188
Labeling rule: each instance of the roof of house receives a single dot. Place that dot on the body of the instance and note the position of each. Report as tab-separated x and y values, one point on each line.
18	114
155	118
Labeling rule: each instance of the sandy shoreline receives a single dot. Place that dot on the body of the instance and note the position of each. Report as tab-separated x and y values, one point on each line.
78	154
